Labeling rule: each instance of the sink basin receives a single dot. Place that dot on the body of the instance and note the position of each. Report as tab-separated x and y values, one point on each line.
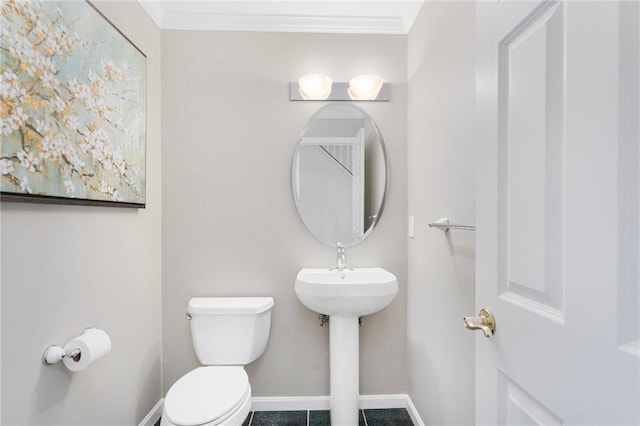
351	292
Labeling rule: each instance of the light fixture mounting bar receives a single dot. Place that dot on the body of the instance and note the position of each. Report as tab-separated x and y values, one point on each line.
339	92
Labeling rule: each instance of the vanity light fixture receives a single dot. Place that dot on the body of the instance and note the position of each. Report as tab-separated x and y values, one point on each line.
365	87
315	87
318	87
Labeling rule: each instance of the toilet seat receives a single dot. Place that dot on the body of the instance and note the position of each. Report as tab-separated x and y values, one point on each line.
207	396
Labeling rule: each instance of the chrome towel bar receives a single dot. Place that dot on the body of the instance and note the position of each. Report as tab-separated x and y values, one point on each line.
444	225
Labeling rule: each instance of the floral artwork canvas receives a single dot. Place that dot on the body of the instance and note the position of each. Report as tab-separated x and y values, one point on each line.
73	106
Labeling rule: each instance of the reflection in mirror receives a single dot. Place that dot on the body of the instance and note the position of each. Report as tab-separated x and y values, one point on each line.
339	174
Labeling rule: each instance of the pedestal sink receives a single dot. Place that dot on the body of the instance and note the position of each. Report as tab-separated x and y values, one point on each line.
345	296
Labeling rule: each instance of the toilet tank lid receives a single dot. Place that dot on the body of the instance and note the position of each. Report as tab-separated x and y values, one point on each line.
229	305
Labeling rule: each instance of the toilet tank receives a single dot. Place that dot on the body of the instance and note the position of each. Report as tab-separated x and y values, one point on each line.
230	330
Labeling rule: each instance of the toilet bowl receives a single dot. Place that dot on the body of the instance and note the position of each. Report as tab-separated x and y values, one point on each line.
208	396
227	333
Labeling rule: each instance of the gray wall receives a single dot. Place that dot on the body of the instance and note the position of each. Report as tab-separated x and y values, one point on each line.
441	101
230	226
65	268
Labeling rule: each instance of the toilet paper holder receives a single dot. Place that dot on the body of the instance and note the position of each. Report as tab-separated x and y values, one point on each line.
55	353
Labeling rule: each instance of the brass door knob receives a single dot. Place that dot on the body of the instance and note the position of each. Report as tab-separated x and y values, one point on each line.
485	322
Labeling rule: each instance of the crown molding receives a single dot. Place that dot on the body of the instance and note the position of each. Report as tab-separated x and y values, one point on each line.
154	10
310	17
270	23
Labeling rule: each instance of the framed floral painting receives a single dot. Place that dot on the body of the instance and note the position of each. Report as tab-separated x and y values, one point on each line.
73	107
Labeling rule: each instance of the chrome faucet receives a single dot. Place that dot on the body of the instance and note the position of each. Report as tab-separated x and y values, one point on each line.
342	256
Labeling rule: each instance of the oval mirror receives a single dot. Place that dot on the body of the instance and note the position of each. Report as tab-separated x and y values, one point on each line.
339	174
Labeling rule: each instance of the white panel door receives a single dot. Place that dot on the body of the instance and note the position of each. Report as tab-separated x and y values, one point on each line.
557	213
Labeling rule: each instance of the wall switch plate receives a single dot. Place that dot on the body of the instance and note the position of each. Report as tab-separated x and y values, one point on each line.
411	227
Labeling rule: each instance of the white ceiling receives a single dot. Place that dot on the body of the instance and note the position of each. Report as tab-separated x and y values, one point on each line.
317	16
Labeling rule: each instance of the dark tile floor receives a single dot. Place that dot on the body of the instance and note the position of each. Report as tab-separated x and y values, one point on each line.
381	417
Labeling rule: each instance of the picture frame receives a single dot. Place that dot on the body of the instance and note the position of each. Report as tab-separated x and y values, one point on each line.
73	111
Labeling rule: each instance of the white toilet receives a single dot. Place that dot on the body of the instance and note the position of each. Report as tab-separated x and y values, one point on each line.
228	333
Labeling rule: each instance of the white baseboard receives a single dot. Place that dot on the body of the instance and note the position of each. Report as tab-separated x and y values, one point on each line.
154	415
296	403
411	409
371	402
367	402
289	403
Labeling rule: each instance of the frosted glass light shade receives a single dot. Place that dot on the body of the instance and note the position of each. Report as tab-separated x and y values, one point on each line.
315	86
365	87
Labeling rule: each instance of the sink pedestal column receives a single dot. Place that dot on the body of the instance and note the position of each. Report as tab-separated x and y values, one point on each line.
344	366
